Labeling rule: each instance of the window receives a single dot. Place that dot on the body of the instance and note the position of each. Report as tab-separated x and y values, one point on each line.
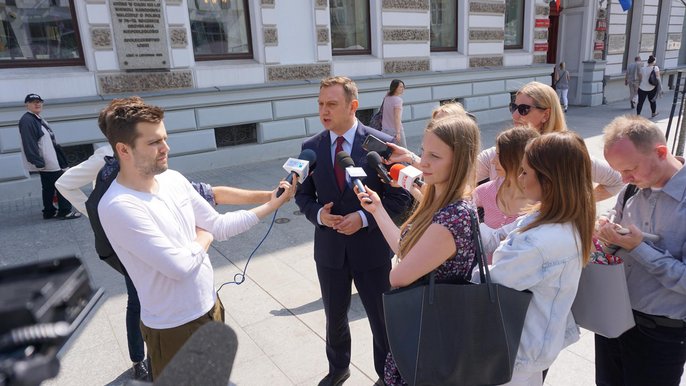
220	29
350	34
235	135
443	25
514	24
39	33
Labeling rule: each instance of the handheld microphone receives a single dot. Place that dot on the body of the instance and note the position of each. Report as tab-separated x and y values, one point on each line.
406	176
300	166
374	159
205	359
344	160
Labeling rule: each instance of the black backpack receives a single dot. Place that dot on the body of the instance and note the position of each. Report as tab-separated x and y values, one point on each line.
102	245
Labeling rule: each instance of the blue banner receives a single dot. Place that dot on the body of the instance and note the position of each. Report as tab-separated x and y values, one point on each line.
626	4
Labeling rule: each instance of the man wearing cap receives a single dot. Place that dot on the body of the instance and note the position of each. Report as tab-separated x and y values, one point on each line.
41	155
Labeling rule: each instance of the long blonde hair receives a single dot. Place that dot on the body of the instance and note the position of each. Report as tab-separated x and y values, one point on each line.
563	168
461	134
546	98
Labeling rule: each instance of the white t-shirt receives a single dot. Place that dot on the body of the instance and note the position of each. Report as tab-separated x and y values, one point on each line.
645	73
153	235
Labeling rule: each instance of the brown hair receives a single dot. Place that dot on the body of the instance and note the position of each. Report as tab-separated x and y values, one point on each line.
102	117
643	133
122	120
349	87
395	83
546	98
511	144
563	168
462	135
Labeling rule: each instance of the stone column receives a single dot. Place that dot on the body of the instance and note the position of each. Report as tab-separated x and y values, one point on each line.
486	33
541	34
592	82
277	72
405	31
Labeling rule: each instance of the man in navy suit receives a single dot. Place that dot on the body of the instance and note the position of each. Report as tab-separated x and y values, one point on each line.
348	245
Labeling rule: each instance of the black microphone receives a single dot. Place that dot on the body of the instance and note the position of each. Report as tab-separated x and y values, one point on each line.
344	161
300	166
205	359
374	159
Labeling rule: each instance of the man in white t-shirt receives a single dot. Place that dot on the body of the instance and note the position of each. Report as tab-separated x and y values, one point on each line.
161	229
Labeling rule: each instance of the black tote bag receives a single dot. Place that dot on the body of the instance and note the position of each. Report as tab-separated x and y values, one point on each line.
456	333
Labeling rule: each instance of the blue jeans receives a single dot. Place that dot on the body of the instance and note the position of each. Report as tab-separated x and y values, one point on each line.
133	323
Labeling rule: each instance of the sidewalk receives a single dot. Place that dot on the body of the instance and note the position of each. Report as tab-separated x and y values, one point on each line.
277	312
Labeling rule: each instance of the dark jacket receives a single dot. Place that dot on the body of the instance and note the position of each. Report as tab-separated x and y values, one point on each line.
366	249
31	132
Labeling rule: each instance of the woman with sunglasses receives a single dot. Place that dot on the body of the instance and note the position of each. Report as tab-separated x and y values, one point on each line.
537	105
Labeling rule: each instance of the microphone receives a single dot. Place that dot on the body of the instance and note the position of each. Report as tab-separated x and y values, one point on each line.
300	166
344	160
406	176
374	159
205	359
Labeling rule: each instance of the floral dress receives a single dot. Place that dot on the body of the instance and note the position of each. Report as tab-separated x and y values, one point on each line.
457	218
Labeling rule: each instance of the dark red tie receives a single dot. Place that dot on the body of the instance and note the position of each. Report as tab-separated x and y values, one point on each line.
337	170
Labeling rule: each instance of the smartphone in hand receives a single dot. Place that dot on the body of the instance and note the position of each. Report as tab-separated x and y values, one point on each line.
371	143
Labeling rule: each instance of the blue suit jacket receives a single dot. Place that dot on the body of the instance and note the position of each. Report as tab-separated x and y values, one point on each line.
367	248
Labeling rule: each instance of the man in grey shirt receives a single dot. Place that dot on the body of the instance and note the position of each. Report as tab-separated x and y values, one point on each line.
632	78
654	351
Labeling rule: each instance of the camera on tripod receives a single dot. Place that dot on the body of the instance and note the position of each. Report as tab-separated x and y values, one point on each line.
41	305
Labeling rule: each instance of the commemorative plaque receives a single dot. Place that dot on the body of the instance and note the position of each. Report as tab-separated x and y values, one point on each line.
140	34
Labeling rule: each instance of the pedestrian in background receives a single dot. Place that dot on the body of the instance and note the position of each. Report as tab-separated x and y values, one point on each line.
632	78
42	154
391	123
562	85
646	89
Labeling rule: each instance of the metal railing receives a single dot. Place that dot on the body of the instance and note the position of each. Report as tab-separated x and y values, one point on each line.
679	134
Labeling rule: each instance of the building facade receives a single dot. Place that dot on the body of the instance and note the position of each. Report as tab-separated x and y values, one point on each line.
239	79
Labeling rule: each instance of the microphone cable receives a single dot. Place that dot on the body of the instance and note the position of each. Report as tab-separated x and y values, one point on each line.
239	278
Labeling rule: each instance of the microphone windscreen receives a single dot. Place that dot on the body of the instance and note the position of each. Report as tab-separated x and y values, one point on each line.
374	159
343	160
308	155
395	171
205	359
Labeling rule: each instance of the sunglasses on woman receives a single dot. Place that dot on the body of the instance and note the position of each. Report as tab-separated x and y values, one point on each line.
523	109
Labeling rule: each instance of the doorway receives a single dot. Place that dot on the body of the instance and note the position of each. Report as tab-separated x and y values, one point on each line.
554	18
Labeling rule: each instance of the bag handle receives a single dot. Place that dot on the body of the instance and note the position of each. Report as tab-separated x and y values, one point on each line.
484	273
